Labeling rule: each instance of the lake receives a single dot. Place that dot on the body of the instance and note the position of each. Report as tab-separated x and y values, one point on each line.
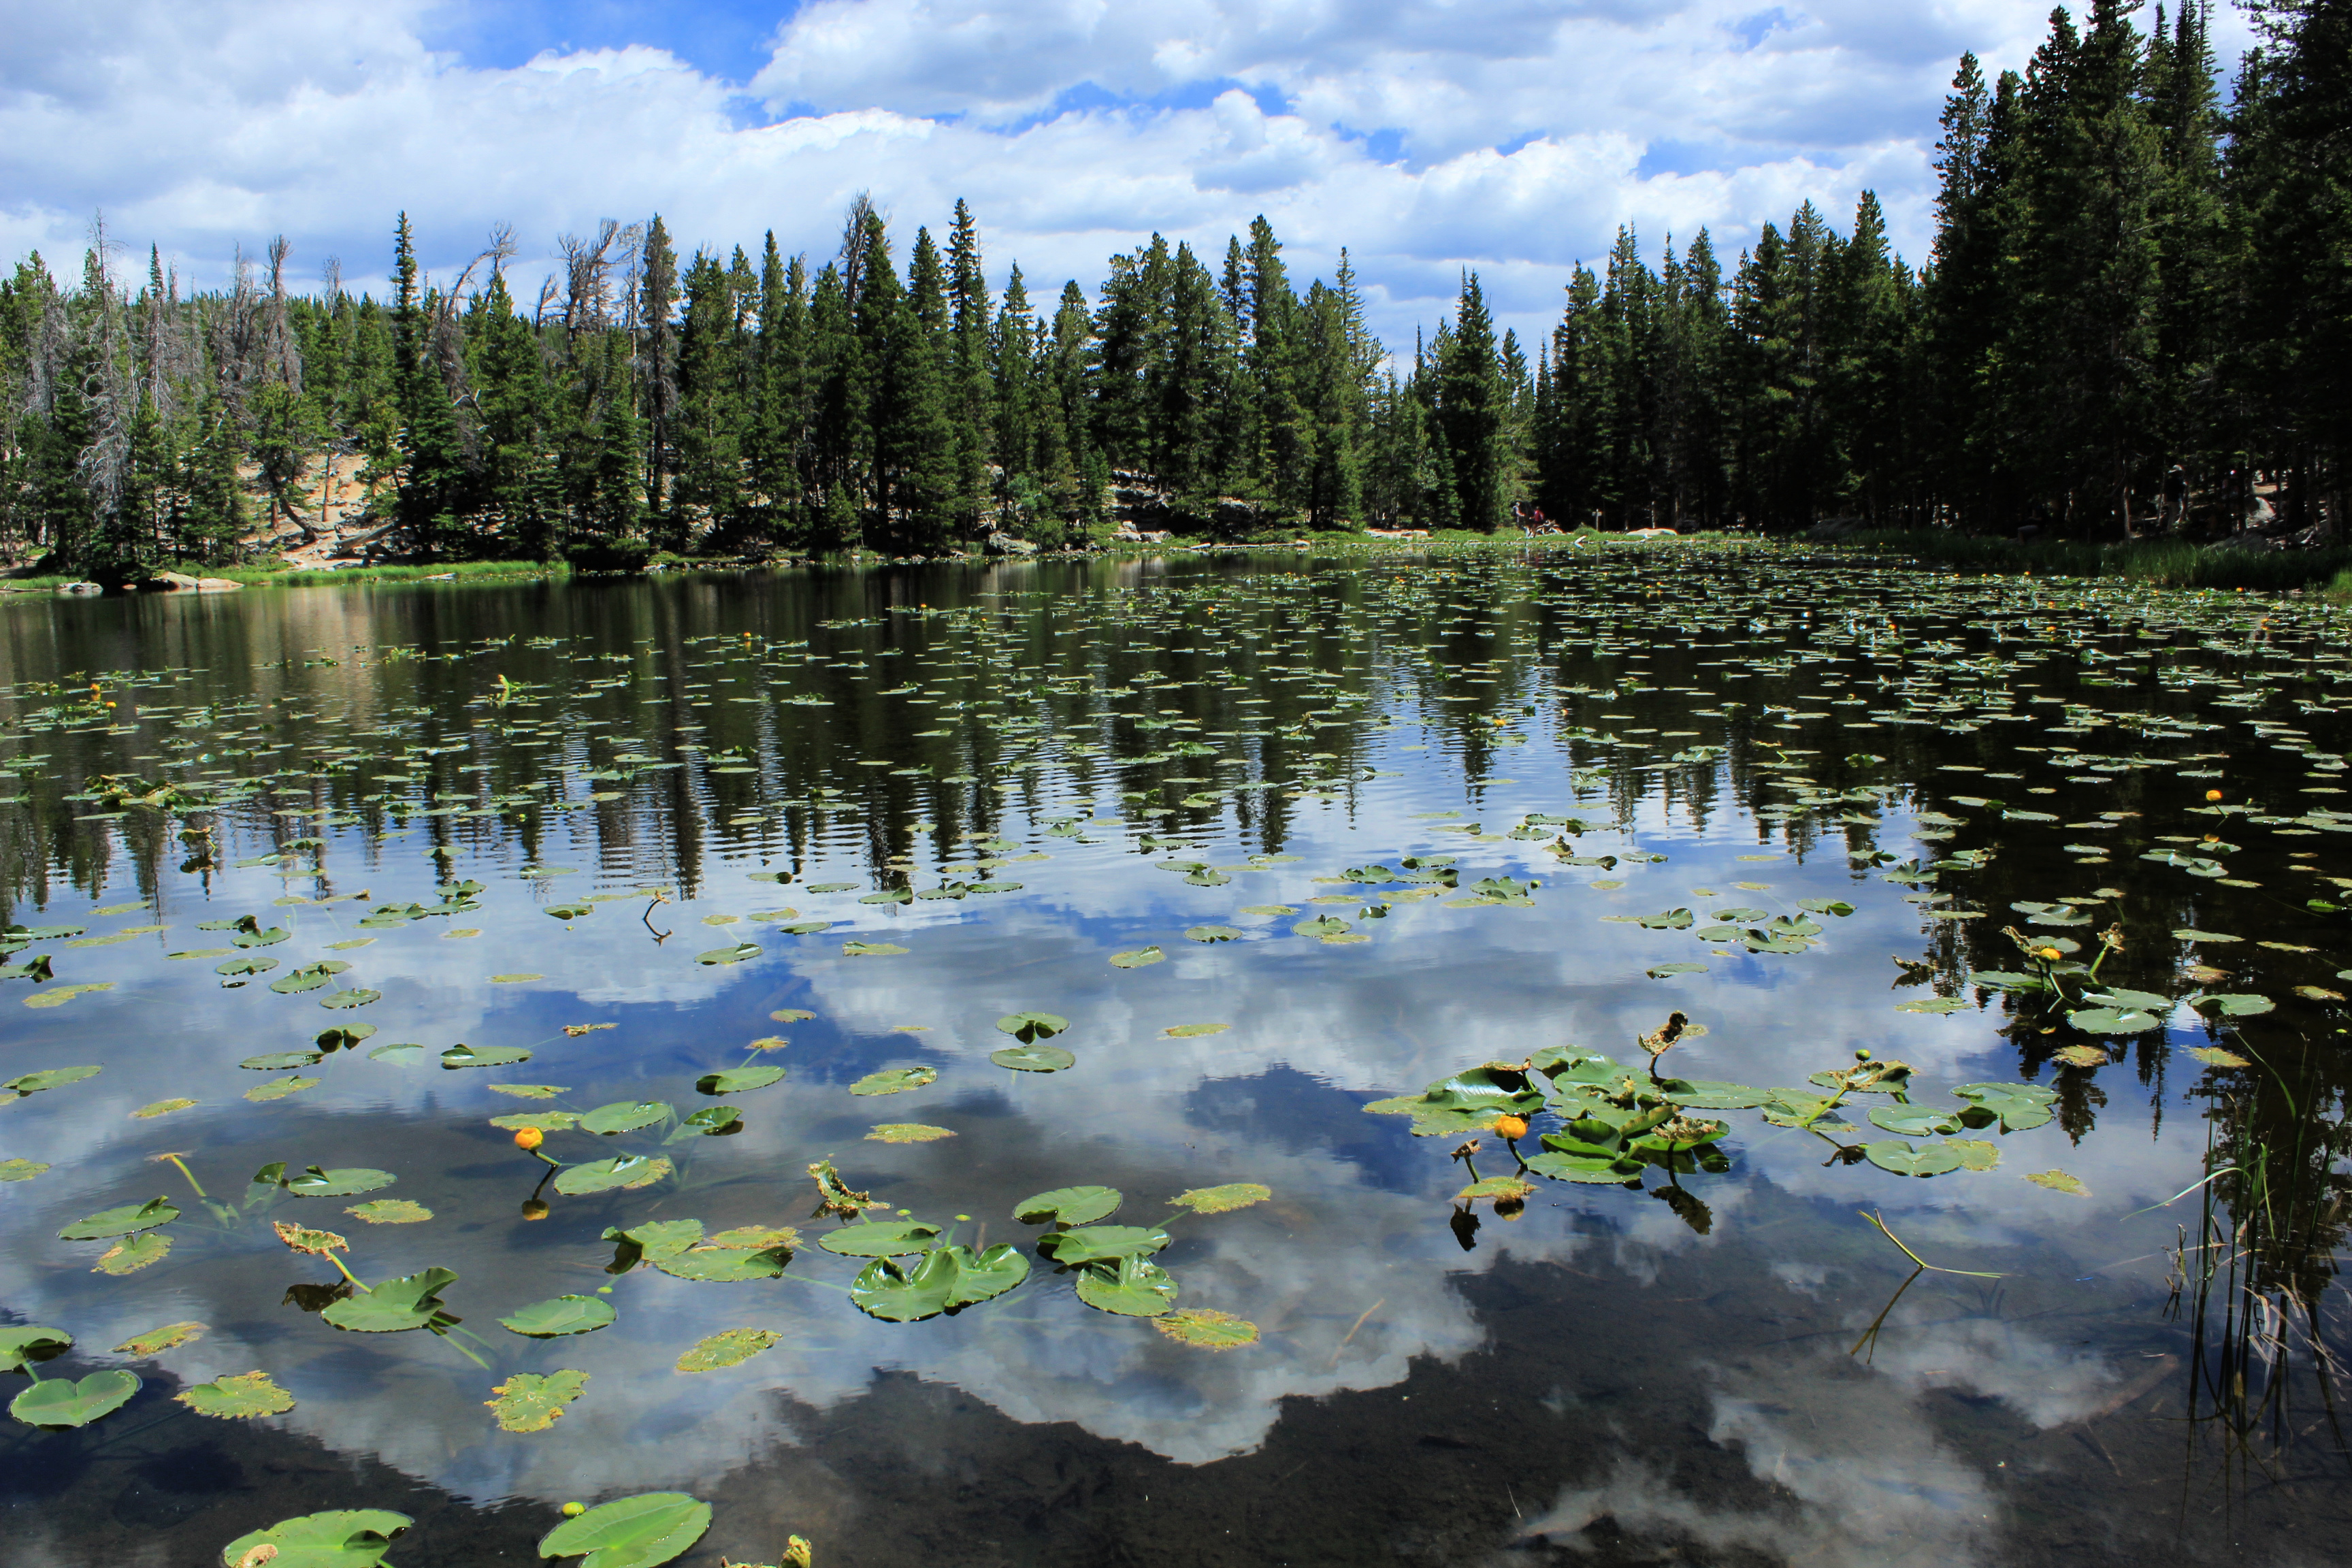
1003	1044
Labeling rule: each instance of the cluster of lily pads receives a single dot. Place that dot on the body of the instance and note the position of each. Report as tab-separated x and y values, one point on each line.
1819	712
637	1532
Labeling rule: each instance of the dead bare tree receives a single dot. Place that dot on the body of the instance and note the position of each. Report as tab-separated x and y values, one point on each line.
853	246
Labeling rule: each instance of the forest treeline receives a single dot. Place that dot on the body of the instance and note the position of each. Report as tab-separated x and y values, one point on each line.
2139	298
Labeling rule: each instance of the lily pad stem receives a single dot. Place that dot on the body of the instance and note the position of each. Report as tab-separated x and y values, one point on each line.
1969	1273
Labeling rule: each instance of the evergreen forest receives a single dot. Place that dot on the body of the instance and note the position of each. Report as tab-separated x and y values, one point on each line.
2138	305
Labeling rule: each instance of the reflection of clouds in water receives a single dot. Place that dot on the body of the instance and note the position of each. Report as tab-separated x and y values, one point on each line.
1859	1482
2047	1385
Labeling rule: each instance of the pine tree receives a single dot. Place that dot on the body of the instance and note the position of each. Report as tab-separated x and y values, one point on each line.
656	373
433	480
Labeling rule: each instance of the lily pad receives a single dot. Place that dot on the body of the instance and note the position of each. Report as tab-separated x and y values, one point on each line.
736	1080
412	1301
154	1343
1193	1031
907	1133
1207	1329
735	954
727	1347
2233	1005
2214	1055
50	1077
1030	1028
126	1220
623	1173
627	1116
880	1238
343	1181
236	1398
1068	1205
871	949
20	1170
160	1108
896	1080
390	1211
1101	1243
1032	1058
61	1402
1130	1287
133	1253
529	1403
1138	957
345	1538
2058	1181
1890	1154
946	1279
562	1315
31	1342
1219	1200
465	1056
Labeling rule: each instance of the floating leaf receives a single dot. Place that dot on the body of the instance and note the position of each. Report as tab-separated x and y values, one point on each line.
627	1116
1933	1005
238	1398
562	1315
1137	959
1030	1028
51	1077
1032	1058
133	1253
1664	970
2214	1055
727	1347
736	1080
20	1170
2234	1005
735	954
1889	1155
880	1238
1193	1031
390	1211
411	1301
1130	1287
2058	1181
160	1108
1974	1153
343	1181
907	1132
1219	1200
1068	1205
125	1220
1098	1243
2083	1055
25	1343
346	1537
62	1401
2114	1021
154	1343
1211	933
623	1173
529	1403
465	1056
631	1533
896	1080
947	1279
1207	1329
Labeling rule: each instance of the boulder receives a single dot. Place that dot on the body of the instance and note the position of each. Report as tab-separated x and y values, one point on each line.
81	588
1005	544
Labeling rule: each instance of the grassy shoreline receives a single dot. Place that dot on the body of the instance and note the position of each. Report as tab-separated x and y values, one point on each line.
2163	562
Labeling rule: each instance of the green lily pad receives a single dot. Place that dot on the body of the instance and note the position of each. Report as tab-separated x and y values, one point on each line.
394	1306
1130	1287
562	1315
50	1078
1204	1329
631	1533
238	1398
2058	1181
1975	1153
736	1080
1890	1154
728	1347
1219	1200
946	1279
1138	957
1032	1058
465	1056
1098	1243
1030	1028
871	949
345	1538
907	1133
154	1343
1193	1031
1068	1205
126	1220
526	1402
623	1173
358	996
343	1181
31	1342
63	1402
1934	1005
20	1170
133	1253
718	1263
880	1238
2115	1020
735	954
896	1080
2233	1005
390	1211
1914	1121
627	1116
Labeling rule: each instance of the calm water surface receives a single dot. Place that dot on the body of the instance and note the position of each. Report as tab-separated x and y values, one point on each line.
1001	779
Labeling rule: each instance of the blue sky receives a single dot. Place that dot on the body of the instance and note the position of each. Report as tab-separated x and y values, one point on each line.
1427	136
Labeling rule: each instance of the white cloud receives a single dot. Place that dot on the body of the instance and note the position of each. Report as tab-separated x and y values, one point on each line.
1074	128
